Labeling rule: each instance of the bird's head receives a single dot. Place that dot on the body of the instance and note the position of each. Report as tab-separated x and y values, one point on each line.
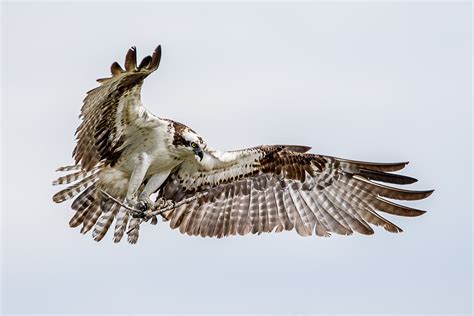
187	143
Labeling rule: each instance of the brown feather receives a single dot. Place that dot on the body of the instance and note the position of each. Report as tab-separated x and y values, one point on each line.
144	63
131	59
155	59
115	69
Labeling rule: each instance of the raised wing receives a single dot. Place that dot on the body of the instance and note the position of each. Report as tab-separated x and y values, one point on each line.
112	110
276	188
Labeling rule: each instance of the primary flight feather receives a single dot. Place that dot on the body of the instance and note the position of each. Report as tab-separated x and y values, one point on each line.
124	154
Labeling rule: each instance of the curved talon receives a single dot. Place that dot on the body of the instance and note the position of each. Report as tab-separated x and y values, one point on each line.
138	214
144	203
142	206
134	208
161	203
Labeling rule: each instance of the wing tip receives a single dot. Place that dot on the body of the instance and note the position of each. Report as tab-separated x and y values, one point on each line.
145	62
416	213
116	69
155	59
131	59
422	194
429	192
149	63
386	177
395	229
408	180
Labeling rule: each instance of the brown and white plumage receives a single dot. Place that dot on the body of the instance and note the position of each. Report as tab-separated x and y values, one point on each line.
129	153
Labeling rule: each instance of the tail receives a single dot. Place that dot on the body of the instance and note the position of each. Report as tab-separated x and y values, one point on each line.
92	208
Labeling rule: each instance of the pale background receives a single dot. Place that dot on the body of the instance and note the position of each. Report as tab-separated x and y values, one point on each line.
383	82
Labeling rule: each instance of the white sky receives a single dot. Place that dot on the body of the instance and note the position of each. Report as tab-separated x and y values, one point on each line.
381	82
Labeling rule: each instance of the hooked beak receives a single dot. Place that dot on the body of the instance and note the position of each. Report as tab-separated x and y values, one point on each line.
198	152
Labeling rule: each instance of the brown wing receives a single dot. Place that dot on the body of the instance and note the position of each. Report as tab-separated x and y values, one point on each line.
110	109
281	189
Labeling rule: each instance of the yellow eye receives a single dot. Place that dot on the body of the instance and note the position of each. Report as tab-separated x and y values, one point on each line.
194	145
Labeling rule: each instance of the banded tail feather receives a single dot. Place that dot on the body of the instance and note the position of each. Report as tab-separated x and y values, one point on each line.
120	224
134	230
68	168
92	209
109	210
91	218
74	189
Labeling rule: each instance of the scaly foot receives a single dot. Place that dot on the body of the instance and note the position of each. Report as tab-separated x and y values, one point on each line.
144	203
134	205
161	203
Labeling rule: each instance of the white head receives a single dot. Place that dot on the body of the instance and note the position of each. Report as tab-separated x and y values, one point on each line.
186	142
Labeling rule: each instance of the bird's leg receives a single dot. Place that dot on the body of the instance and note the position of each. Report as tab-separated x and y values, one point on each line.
144	203
138	174
155	182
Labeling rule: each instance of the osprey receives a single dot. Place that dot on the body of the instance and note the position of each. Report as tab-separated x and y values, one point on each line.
124	154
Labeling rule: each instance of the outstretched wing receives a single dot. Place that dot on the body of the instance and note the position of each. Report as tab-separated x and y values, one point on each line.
276	188
112	110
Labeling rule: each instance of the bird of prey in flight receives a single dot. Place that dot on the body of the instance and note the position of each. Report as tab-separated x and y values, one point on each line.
124	154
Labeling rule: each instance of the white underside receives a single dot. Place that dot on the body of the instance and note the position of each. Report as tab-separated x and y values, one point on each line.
148	149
